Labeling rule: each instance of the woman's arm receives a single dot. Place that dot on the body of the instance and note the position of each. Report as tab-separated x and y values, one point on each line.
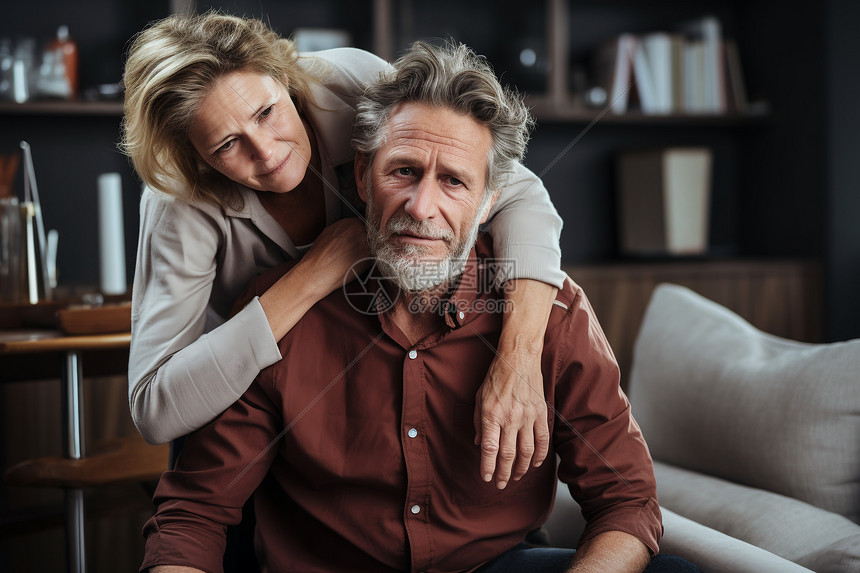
341	246
183	373
510	412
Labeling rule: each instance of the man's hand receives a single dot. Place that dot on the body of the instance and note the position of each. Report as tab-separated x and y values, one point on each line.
510	409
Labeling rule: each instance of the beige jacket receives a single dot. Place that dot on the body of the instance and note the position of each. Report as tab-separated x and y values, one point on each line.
188	363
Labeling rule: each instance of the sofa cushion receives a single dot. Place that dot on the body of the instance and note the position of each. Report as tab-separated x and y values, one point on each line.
844	555
790	528
715	395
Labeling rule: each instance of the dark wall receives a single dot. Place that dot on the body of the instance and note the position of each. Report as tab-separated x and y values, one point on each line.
843	181
784	172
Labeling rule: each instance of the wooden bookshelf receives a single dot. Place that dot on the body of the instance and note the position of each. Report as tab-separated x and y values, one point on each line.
63	108
547	110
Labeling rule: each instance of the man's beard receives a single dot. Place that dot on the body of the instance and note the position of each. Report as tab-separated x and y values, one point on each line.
403	263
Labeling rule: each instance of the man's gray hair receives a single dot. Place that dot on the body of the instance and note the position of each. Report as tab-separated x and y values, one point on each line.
455	77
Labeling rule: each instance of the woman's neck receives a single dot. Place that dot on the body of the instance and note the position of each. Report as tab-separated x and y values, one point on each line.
301	212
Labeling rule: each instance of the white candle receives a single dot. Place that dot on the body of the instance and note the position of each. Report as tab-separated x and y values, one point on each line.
111	239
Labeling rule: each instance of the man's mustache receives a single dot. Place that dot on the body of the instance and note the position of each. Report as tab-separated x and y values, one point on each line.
403	223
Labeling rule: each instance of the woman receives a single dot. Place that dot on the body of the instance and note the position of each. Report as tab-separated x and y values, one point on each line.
244	145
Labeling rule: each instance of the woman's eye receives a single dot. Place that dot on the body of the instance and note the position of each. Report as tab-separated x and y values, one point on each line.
267	112
226	147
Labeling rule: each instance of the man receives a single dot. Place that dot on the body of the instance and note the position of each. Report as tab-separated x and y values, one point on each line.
359	442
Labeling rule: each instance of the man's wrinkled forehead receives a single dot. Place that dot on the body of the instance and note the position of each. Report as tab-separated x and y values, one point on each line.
422	133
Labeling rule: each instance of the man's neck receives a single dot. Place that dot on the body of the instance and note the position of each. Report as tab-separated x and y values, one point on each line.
418	314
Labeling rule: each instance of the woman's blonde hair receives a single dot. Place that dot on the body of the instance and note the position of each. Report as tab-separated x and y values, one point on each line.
171	67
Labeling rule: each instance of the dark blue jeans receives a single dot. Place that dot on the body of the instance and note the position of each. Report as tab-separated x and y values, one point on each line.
524	557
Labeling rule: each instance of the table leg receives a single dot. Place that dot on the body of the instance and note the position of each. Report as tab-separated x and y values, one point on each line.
76	561
73	403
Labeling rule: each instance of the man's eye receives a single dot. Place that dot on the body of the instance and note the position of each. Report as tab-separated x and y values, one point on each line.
405	171
454	182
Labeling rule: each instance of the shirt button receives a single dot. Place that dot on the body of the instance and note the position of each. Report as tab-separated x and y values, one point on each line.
413	354
415	509
462	315
412	432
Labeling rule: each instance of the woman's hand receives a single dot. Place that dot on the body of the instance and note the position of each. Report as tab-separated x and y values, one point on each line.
510	409
340	247
511	418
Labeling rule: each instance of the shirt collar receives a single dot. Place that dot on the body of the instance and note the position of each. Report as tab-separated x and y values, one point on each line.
460	306
473	287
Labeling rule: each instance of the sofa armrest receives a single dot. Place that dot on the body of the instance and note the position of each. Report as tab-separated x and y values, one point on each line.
710	550
713	551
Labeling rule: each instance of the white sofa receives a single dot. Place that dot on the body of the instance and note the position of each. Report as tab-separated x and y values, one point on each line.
756	441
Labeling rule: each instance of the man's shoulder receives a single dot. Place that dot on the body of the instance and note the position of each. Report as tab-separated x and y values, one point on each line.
261	283
572	322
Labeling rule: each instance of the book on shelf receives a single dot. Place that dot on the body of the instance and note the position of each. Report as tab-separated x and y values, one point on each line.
664	201
736	86
707	33
646	89
694	70
613	70
660	52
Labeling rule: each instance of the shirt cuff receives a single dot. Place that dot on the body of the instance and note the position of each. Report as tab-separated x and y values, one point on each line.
644	522
249	324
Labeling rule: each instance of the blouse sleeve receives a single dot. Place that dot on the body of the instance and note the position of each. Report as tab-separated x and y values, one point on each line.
526	230
181	376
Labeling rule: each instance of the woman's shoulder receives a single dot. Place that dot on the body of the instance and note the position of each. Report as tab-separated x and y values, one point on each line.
343	70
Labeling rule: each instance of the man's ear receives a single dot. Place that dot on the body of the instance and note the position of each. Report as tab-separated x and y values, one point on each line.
361	166
485	215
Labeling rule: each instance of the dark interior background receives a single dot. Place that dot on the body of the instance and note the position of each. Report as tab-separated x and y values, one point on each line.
784	187
786	184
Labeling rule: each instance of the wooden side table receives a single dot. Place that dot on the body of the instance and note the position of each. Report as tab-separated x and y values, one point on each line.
122	460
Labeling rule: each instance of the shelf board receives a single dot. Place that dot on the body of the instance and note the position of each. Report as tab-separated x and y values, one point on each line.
543	110
547	111
69	108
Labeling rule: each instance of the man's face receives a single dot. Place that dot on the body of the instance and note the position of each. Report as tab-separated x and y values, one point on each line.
425	193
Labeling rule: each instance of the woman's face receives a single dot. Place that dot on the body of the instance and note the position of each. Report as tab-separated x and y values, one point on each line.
248	129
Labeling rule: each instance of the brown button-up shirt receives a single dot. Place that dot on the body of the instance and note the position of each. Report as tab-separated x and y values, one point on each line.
359	445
